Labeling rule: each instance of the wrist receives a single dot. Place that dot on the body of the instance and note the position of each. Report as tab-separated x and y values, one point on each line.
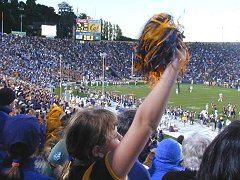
176	64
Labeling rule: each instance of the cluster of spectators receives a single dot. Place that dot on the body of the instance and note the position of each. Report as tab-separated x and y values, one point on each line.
34	147
216	63
39	60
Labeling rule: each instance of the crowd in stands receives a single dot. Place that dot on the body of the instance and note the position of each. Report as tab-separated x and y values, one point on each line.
44	137
214	62
38	60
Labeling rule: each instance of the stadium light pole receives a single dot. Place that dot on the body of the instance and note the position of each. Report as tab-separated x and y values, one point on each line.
2	22
21	22
21	17
60	85
103	56
132	66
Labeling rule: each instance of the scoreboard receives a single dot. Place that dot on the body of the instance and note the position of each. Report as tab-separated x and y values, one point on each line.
88	29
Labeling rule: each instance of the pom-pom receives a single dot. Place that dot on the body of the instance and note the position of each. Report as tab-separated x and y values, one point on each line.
156	46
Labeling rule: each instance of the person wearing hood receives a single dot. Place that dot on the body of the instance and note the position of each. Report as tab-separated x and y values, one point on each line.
21	141
168	158
54	121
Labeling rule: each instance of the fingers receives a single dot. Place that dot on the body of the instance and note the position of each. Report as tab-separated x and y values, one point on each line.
178	57
181	52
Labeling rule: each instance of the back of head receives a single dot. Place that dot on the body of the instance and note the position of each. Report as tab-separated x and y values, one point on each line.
125	120
7	96
169	151
180	139
23	129
21	139
221	159
193	148
168	157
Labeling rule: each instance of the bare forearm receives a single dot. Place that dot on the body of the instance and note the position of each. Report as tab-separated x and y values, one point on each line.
153	106
146	121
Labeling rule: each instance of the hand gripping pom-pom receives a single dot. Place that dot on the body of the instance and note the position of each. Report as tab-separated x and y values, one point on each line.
159	40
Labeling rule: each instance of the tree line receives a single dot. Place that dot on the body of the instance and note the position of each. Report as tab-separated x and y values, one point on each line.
28	17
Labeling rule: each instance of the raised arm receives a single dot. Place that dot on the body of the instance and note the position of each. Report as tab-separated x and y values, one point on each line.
147	119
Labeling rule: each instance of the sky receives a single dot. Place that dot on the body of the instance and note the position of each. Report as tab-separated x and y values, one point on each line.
203	20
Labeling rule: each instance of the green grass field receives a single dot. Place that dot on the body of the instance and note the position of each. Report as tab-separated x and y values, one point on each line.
195	101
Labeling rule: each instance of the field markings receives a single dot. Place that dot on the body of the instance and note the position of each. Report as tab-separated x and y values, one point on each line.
193	107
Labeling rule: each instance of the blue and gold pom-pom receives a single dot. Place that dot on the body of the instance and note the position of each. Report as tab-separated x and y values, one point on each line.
156	46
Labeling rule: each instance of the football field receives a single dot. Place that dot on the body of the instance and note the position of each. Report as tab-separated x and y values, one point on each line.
194	101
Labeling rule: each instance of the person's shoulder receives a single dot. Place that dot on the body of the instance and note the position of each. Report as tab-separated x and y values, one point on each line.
180	175
139	172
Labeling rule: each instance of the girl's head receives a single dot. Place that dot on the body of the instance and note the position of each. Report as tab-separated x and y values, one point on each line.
221	159
91	134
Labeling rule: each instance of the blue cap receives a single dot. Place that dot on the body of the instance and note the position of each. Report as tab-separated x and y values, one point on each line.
22	129
59	154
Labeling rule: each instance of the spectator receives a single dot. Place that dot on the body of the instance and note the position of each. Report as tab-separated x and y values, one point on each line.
56	160
221	158
125	120
168	157
7	96
193	148
36	60
180	139
161	135
21	140
54	124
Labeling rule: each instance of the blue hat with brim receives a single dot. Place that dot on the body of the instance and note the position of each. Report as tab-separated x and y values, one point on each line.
22	129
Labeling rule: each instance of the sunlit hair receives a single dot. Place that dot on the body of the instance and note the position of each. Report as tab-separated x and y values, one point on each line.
221	159
193	148
87	129
159	40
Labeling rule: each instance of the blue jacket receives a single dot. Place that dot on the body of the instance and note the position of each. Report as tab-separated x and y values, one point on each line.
138	172
168	157
4	115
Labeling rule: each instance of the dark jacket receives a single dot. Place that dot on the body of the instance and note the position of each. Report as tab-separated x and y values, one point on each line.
180	175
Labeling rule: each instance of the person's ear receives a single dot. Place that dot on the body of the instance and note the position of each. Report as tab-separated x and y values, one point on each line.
97	151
